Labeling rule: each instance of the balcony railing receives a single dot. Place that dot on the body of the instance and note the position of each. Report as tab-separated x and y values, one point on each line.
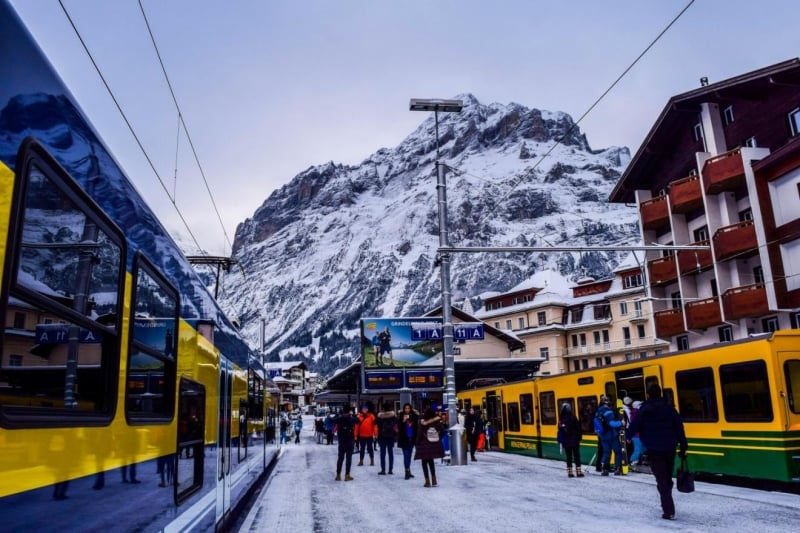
743	302
702	314
685	194
669	322
736	240
654	213
724	172
663	270
695	261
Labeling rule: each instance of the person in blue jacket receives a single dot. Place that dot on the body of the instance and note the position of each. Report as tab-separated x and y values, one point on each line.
610	437
661	429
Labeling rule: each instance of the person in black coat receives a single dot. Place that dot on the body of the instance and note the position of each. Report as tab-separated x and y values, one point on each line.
407	436
473	426
661	430
429	444
345	425
569	438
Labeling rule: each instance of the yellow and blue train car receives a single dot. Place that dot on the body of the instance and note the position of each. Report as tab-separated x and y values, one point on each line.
128	401
739	403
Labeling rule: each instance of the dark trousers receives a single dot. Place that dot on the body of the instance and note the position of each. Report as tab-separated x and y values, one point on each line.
472	440
662	464
428	465
386	445
407	453
345	456
573	454
599	455
365	445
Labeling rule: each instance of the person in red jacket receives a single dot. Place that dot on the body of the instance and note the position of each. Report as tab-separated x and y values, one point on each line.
366	431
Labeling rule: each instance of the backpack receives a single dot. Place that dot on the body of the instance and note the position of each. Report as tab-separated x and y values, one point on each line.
600	422
432	434
388	429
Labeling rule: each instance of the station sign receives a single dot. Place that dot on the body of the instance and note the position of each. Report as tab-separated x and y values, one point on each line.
468	331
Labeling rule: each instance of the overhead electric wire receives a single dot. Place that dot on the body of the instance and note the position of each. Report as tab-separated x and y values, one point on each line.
185	128
127	122
596	102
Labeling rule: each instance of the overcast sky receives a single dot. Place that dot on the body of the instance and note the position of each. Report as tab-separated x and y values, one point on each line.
269	88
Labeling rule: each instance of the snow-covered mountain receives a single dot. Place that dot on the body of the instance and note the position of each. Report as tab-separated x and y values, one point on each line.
339	242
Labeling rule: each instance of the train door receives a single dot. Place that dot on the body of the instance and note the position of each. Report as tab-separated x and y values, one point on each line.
494	415
224	441
790	388
189	464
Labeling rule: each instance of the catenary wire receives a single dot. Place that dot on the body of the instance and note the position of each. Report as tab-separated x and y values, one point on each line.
185	128
127	122
591	107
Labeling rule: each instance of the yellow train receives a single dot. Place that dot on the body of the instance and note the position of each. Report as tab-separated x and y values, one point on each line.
128	400
739	403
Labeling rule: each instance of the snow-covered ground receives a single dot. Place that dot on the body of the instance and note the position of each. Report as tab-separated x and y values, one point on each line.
498	493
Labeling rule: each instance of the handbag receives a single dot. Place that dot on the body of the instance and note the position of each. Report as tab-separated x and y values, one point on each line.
685	479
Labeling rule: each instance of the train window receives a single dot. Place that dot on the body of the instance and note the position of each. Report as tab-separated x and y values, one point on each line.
745	392
547	408
568	401
65	276
697	395
526	408
150	388
588	407
512	411
792	371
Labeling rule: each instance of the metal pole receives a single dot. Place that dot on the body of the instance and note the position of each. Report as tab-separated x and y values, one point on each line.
447	311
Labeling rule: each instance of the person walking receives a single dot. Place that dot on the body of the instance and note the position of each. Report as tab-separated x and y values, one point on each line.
298	427
609	436
407	436
569	439
638	447
473	425
429	444
366	432
345	424
387	436
661	430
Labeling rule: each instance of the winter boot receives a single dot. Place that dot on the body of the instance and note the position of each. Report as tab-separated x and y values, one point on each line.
618	471
371	461
348	477
578	471
361	463
569	472
338	477
605	470
427	482
433	481
408	474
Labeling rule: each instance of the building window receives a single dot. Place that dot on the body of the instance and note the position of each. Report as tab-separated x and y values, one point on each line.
583	340
626	335
725	334
633	280
605	336
19	320
541	318
524	348
727	114
14	360
658	352
598	361
751	142
544	353
628	356
682	342
596	337
758	274
746	215
584	364
497	325
697	132
676	300
522	323
701	234
637	309
623	308
768	325
508	324
515	300
608	359
640	331
576	365
794	121
642	355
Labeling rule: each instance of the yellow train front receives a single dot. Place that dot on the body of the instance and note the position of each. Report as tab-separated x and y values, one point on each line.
128	401
738	401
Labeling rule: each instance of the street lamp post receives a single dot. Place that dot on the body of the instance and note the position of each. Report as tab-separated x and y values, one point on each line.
445	106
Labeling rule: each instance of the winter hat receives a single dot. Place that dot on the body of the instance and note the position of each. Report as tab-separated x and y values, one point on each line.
637	404
566	407
627	400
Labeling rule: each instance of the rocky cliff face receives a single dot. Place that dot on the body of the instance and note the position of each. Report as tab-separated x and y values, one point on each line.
341	242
